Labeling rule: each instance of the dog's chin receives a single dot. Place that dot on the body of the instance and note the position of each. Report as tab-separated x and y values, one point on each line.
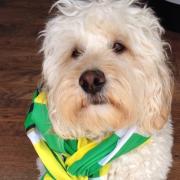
99	118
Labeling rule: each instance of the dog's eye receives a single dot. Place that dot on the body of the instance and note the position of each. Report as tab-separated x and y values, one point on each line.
76	53
118	47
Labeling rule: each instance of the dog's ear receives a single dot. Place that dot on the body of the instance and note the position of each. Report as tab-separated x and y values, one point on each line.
157	105
158	77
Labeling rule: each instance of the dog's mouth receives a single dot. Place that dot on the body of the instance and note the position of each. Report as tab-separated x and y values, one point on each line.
97	99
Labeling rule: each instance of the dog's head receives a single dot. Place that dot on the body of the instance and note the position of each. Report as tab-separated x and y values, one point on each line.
105	68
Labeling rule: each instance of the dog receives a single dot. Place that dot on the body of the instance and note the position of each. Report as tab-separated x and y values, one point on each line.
106	68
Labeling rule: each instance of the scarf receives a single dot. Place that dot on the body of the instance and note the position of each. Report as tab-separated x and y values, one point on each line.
75	159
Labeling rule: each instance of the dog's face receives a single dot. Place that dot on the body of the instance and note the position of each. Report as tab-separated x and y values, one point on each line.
105	68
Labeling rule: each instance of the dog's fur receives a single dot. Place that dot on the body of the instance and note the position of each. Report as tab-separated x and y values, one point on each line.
138	87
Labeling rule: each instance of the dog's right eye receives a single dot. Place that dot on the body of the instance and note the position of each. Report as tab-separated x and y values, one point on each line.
76	53
118	47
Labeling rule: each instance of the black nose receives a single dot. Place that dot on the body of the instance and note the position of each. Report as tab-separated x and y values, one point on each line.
92	81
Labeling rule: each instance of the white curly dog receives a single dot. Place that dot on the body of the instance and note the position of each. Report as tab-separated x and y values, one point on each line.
105	68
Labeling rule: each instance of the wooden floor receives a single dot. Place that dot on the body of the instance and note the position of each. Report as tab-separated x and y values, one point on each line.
20	67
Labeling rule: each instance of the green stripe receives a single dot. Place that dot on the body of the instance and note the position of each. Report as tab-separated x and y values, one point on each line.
28	122
88	164
43	124
134	141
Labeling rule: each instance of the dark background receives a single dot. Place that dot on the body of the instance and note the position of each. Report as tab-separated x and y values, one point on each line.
20	69
168	12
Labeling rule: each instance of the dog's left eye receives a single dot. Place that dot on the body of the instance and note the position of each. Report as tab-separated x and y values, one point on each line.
118	47
76	53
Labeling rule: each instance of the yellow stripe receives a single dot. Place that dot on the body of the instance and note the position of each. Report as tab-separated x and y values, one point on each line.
47	177
50	162
83	147
81	152
82	142
104	170
41	98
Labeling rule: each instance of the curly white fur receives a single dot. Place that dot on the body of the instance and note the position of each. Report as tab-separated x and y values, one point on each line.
139	82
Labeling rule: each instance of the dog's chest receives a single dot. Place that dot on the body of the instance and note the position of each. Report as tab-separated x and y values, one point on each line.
149	162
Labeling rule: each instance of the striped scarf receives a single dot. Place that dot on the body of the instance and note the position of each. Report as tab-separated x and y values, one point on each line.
75	159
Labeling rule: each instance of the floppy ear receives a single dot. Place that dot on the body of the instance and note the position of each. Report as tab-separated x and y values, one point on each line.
157	105
157	75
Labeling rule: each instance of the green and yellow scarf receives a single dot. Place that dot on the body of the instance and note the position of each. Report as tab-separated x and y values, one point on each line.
77	159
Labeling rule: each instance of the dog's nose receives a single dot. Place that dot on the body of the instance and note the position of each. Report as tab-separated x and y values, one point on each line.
92	81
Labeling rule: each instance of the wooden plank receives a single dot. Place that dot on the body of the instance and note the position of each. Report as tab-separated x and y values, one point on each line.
17	158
